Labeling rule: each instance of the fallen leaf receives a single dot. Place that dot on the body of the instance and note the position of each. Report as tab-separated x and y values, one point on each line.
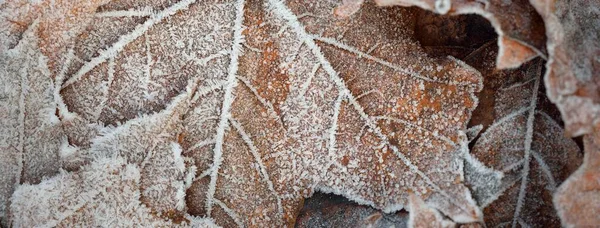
59	23
282	100
31	132
572	77
151	142
149	146
423	216
327	210
577	200
521	34
104	193
518	162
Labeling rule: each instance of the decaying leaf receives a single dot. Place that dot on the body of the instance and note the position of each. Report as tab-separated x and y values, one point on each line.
272	101
327	210
577	200
573	76
423	216
518	162
521	34
104	193
30	132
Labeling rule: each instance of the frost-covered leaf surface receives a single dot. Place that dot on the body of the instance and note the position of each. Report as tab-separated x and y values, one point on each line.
59	23
30	132
266	102
577	200
518	162
573	76
423	216
105	193
521	34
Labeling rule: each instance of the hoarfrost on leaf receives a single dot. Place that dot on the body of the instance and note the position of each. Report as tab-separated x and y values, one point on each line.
30	132
423	216
244	108
518	162
104	193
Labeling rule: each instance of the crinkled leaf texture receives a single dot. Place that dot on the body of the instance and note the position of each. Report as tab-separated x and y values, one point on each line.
30	132
518	162
423	216
573	75
267	102
577	200
105	193
521	34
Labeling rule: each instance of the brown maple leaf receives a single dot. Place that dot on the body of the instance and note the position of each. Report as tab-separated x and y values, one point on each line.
521	34
523	155
573	76
577	200
269	102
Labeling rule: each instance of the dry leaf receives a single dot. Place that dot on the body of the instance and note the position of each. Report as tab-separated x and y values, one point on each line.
282	100
59	23
104	193
577	200
522	157
573	76
423	216
31	135
521	34
326	210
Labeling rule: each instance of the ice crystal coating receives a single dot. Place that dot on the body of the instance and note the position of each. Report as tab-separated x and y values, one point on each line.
30	132
104	193
423	216
237	110
518	162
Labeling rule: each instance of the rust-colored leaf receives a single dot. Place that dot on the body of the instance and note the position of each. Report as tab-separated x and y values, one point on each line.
573	76
270	101
577	200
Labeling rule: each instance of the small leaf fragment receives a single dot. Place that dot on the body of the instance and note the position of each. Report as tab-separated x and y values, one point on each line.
577	200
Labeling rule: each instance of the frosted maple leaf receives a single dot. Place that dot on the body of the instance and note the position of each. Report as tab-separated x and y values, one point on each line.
268	102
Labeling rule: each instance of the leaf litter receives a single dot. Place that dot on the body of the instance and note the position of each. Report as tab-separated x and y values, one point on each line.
234	112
